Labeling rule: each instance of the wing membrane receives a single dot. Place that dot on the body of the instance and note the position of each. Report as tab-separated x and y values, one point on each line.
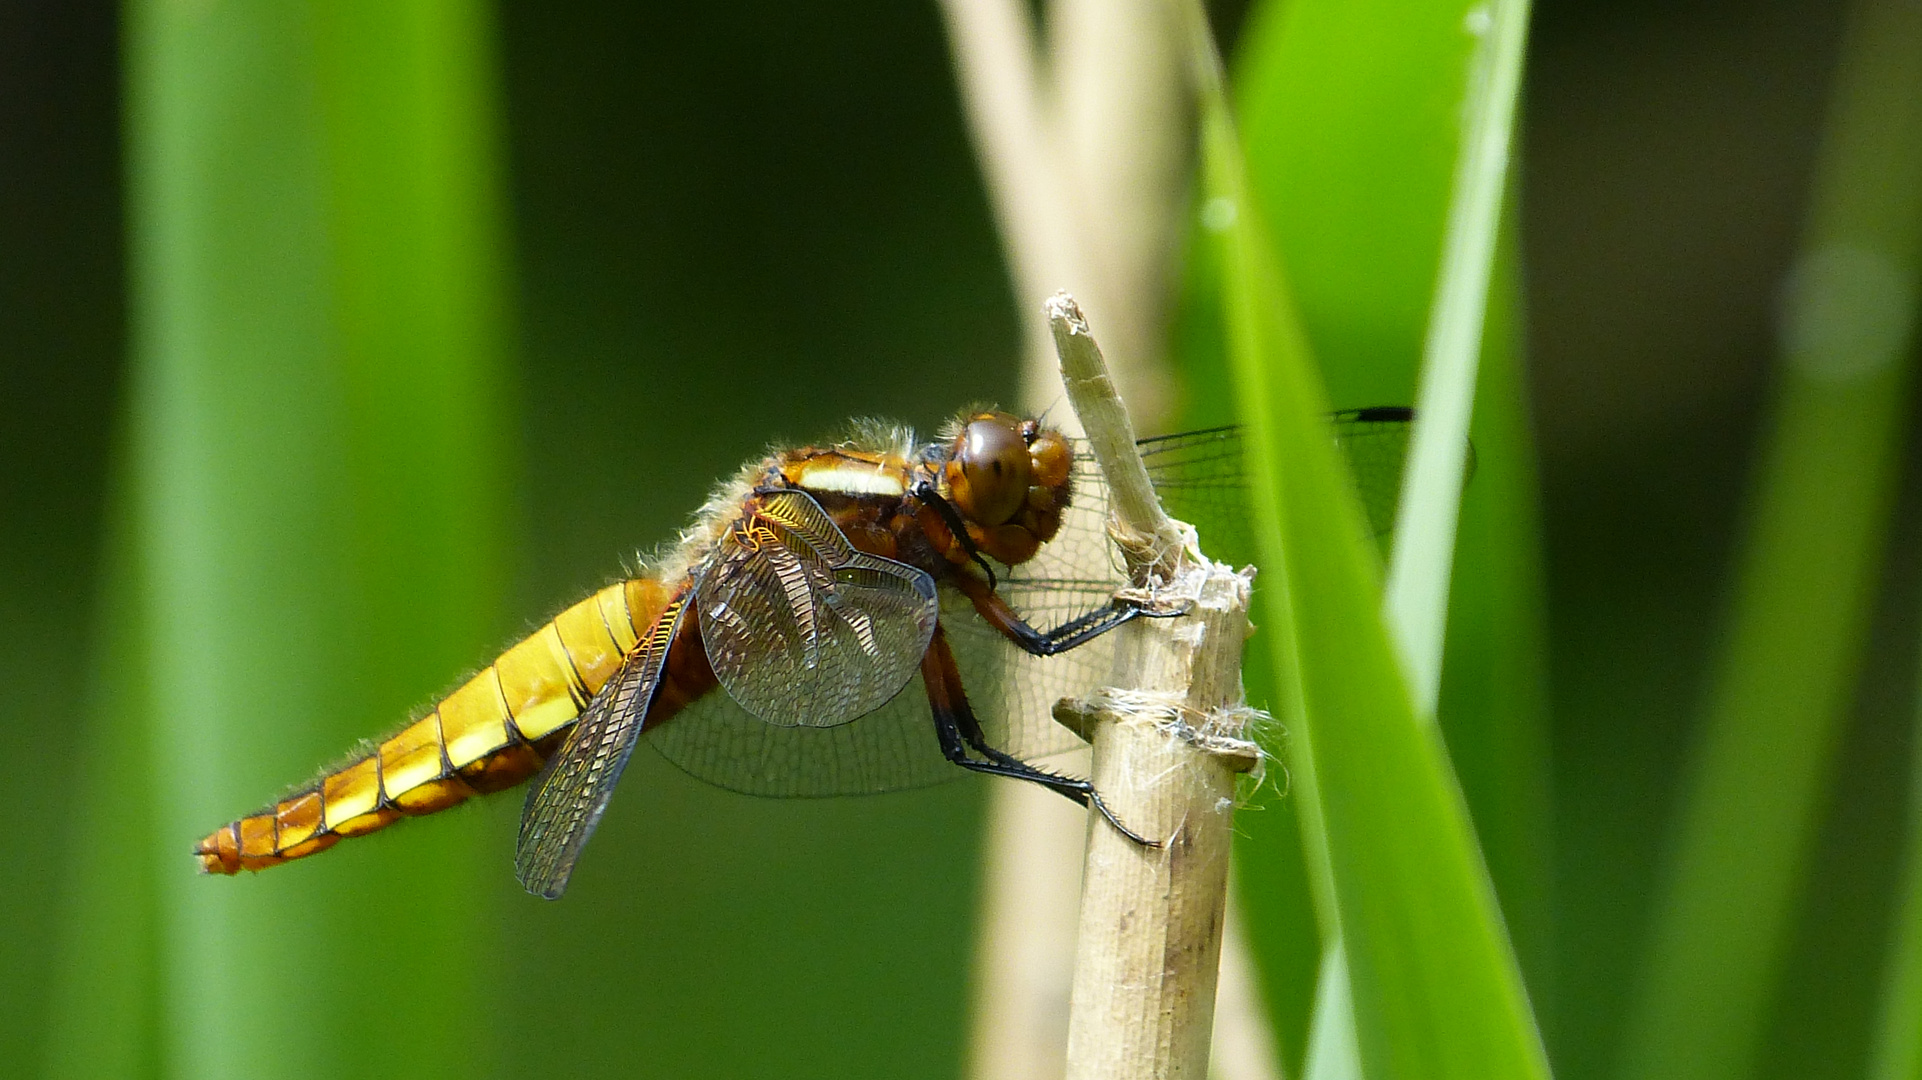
889	749
1375	442
1200	477
565	804
892	748
802	629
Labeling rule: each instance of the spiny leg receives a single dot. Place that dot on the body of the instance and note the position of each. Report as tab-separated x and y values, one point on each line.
1074	633
957	729
988	601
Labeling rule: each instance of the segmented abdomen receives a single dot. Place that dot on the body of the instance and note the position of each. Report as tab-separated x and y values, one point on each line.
490	734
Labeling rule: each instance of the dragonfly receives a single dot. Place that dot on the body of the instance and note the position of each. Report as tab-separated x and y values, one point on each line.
872	614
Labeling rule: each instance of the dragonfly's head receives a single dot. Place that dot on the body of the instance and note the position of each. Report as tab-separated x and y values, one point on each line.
1009	478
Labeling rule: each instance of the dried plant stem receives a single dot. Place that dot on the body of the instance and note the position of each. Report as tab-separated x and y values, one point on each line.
1149	949
1029	884
1031	893
1083	125
1111	434
1167	748
1001	89
1123	115
1244	1043
1084	145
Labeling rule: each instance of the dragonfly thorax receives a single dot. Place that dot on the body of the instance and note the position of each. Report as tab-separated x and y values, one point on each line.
992	485
842	474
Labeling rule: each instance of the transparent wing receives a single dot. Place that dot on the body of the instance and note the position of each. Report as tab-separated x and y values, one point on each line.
802	629
568	798
1375	442
1201	478
1013	692
894	747
1199	475
889	749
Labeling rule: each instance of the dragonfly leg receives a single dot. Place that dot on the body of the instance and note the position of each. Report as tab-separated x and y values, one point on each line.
988	602
958	730
931	495
1086	628
1071	634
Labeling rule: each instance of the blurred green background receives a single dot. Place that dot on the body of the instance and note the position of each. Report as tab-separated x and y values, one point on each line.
731	224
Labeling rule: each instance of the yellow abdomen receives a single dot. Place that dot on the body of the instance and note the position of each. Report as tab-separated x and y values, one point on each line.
492	733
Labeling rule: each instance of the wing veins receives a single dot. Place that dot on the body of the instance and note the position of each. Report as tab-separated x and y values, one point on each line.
566	802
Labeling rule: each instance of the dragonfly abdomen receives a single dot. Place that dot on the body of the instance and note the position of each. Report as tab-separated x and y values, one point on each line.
492	733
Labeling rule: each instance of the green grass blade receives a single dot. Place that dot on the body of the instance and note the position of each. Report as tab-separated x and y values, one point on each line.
1897	1050
105	1003
1805	580
317	496
1424	551
1494	688
1351	114
1493	692
1416	595
1352	122
1333	1053
1435	986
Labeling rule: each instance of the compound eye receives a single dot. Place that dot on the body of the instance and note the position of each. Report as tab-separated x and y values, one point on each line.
994	472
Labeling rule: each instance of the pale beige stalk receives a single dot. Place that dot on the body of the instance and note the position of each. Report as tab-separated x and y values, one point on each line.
1149	948
1003	96
1244	1046
1086	158
1167	737
1145	532
1085	147
1124	118
1024	964
1031	873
